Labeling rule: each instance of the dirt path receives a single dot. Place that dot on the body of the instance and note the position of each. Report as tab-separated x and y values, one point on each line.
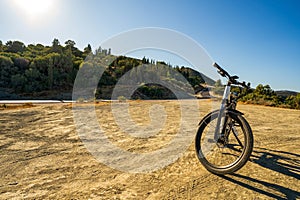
42	157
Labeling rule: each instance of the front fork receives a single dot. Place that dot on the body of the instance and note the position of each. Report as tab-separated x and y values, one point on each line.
220	127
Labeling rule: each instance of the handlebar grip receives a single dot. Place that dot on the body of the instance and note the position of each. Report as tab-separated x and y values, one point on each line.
221	71
217	66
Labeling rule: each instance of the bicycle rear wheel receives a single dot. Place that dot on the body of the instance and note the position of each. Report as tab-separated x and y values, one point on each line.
231	151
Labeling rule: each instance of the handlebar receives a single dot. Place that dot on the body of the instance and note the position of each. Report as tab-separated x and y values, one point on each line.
243	84
221	71
232	79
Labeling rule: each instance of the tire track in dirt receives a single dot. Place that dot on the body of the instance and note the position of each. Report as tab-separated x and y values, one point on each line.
42	157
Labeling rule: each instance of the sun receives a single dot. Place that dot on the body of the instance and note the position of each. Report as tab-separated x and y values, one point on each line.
34	8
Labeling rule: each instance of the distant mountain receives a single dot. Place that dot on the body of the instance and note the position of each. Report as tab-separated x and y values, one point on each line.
286	93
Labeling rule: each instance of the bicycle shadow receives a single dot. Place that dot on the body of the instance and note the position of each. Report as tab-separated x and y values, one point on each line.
285	163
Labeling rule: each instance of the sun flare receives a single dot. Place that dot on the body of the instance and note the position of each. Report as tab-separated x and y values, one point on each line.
34	8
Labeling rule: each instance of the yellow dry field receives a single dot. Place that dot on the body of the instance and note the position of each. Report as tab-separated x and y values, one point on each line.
43	157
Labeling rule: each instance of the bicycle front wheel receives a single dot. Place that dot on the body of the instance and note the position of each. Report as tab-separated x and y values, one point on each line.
228	152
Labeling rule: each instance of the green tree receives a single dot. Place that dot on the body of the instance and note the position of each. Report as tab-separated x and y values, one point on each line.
21	63
70	43
18	82
297	101
263	94
15	46
67	60
50	74
6	65
87	50
34	83
1	46
293	101
145	60
56	47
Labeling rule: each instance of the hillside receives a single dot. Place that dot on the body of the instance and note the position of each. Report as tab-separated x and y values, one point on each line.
36	71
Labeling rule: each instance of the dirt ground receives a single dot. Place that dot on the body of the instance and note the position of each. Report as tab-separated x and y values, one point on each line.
42	157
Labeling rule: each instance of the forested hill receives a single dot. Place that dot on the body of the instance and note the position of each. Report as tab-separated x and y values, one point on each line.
37	71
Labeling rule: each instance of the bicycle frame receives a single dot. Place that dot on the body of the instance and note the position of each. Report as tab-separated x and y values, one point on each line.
225	132
220	123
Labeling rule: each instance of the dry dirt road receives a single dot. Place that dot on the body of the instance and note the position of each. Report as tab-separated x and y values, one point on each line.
42	157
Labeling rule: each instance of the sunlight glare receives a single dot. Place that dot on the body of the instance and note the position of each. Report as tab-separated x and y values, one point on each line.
34	8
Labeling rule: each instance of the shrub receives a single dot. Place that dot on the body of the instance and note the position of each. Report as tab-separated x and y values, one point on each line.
122	99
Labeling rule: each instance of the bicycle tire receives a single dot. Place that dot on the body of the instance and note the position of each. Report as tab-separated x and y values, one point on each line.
246	148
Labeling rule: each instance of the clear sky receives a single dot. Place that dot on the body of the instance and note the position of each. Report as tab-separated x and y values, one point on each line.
259	40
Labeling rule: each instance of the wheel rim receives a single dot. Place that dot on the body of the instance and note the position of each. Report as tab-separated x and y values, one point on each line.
225	156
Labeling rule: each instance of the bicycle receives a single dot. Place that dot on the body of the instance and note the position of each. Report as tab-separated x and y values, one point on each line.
224	140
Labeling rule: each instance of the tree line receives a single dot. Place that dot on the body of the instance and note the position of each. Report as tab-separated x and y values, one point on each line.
265	95
36	68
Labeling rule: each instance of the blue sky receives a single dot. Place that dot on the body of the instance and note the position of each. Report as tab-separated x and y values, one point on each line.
256	39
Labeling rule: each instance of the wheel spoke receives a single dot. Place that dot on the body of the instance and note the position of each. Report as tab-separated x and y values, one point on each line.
228	153
235	133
